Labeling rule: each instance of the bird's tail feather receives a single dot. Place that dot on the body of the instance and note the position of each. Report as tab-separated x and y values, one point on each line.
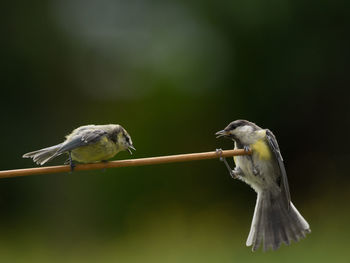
273	223
44	155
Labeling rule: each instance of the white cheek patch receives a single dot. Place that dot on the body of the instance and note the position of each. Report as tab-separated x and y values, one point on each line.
243	132
244	129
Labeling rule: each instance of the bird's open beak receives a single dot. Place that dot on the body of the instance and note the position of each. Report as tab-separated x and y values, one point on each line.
131	147
221	134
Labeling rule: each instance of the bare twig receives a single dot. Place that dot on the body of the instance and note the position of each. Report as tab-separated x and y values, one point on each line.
123	163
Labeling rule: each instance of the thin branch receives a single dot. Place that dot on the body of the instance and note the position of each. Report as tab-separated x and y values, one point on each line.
123	163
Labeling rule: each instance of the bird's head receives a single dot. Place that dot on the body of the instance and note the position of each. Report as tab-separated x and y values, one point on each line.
124	140
238	130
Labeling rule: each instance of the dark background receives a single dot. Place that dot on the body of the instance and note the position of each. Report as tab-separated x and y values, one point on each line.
172	73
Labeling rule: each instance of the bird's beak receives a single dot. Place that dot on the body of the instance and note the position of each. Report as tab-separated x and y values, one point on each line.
131	147
221	134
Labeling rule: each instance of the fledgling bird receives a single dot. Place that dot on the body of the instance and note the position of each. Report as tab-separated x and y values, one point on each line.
275	219
87	144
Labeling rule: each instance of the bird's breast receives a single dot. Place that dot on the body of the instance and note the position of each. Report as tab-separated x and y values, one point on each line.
257	168
261	149
103	149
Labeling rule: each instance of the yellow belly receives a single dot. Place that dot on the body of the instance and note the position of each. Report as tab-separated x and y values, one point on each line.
100	151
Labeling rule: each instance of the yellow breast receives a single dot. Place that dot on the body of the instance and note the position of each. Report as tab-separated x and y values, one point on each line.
261	149
103	149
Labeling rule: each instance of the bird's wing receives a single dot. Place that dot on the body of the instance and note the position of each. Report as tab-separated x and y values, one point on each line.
83	138
271	139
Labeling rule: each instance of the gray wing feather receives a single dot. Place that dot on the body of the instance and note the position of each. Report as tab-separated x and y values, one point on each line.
271	139
82	138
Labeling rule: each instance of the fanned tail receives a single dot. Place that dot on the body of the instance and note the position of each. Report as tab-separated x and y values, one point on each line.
273	223
43	155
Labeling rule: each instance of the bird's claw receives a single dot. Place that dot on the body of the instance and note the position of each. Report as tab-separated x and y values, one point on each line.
237	172
246	148
219	153
72	166
71	163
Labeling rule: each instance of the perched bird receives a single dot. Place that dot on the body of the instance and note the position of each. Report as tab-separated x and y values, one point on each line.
275	219
87	144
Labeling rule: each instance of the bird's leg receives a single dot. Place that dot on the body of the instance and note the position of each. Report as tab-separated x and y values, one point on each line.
234	173
71	163
247	149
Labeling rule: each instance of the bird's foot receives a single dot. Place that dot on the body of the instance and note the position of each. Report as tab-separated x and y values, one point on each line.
219	153
246	148
237	172
71	163
72	166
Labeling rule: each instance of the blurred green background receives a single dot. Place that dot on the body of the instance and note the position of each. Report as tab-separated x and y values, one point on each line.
172	73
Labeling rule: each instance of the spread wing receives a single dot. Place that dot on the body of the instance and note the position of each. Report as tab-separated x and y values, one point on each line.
82	138
271	139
